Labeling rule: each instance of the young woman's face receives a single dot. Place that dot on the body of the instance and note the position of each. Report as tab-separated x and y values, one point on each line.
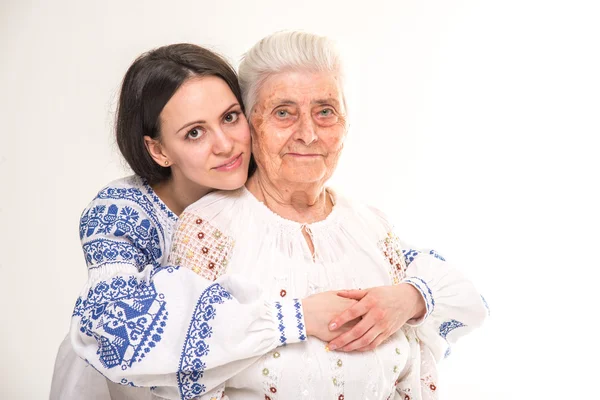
204	135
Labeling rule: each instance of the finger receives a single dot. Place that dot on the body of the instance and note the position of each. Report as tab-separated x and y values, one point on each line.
375	343
353	294
363	342
356	310
353	334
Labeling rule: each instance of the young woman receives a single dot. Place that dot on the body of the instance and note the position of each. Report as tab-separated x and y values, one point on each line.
181	128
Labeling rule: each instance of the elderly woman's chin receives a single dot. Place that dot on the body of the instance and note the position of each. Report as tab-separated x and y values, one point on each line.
305	171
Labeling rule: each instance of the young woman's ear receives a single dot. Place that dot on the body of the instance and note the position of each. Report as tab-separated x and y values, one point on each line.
156	151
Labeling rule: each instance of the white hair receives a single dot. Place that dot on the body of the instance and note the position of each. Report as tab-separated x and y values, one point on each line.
285	51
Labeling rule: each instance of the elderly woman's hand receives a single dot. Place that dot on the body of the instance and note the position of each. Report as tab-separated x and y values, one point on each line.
383	309
320	308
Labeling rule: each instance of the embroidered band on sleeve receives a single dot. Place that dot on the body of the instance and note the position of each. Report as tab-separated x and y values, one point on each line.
425	291
446	328
290	321
280	326
299	320
196	347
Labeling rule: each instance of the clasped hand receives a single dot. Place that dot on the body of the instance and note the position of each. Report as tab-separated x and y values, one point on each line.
360	320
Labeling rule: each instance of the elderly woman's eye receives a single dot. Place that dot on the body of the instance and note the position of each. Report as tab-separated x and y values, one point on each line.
326	112
282	113
231	117
194	134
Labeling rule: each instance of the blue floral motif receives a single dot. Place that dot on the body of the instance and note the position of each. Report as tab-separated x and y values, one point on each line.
191	366
446	328
299	319
449	326
281	326
410	255
140	242
127	319
147	203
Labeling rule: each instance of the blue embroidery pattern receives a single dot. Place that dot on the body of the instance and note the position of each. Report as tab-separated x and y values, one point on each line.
281	327
449	326
140	245
486	305
127	319
162	205
300	325
410	255
191	367
427	295
446	328
169	268
436	255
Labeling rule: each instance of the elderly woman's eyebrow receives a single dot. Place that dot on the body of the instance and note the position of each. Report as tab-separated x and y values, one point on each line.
288	102
201	121
330	100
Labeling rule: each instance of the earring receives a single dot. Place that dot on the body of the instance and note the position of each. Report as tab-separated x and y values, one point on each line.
166	163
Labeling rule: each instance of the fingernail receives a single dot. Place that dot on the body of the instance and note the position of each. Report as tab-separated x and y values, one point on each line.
332	347
332	326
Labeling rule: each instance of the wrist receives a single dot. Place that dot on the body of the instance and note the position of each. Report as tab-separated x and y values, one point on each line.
308	324
419	308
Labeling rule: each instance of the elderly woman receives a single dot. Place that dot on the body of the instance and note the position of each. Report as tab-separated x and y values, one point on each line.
296	240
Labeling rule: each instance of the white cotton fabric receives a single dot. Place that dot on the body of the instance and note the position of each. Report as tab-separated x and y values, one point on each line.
271	252
224	352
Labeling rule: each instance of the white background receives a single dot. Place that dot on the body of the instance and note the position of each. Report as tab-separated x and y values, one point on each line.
474	124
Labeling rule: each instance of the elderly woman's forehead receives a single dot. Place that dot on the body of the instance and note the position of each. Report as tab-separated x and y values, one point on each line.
313	86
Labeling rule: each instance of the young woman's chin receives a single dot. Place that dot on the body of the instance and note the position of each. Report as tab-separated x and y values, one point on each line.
231	181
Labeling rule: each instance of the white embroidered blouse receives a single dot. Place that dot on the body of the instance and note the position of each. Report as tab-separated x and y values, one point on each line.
233	235
157	330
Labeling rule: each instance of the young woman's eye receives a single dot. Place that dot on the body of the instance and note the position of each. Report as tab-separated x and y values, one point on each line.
194	134
231	117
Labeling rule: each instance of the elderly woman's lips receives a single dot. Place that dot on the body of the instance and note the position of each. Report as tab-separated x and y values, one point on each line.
230	165
303	155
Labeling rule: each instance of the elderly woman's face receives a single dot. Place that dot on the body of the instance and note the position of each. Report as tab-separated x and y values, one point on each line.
299	126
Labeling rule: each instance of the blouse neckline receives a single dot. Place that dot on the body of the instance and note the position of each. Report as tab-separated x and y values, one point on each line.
268	213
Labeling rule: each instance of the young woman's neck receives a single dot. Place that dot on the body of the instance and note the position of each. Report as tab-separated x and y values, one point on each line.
178	193
304	203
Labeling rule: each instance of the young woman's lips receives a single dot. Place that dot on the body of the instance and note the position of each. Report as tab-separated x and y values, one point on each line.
231	164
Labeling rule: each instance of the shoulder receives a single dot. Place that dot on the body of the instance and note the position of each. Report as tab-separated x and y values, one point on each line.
219	208
122	221
129	196
370	218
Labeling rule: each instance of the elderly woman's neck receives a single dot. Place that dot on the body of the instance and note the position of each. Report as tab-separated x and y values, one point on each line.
304	203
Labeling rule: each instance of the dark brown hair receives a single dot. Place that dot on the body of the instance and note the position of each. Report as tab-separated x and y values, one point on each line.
148	85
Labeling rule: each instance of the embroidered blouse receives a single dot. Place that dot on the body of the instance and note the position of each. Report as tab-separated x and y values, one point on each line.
233	235
150	326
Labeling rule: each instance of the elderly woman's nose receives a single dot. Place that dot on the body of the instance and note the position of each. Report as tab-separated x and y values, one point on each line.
222	143
306	131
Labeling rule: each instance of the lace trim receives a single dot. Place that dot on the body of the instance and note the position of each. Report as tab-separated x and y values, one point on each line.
392	251
201	247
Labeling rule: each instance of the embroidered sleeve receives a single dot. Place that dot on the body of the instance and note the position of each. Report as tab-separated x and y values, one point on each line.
454	306
168	328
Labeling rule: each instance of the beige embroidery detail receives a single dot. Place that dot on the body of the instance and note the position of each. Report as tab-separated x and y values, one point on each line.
201	247
392	251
